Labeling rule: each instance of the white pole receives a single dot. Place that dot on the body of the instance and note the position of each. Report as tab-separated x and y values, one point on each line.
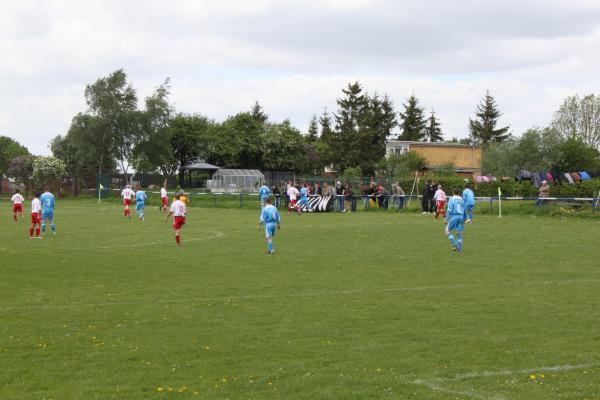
499	206
99	193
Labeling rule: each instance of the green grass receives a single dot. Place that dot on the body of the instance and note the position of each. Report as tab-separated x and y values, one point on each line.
362	306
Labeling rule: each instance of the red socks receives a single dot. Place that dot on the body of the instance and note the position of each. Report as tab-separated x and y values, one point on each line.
37	232
31	232
178	239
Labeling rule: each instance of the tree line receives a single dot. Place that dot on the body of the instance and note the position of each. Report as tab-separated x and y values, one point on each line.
115	132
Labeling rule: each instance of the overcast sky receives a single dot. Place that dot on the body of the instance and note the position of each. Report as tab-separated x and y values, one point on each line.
294	57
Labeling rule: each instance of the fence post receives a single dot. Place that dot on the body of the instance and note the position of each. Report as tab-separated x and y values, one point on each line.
214	199
241	201
191	197
491	204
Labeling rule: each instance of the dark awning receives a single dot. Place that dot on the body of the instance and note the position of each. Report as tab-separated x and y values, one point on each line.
200	165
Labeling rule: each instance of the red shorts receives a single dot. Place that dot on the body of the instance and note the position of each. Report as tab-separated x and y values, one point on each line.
178	222
292	203
36	218
165	201
126	202
18	208
440	205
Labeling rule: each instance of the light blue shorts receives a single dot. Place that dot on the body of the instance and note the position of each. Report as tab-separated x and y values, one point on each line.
270	229
139	206
455	224
47	215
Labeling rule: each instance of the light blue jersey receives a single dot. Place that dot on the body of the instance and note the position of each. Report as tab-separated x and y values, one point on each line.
264	192
468	197
140	198
304	193
270	217
455	220
47	200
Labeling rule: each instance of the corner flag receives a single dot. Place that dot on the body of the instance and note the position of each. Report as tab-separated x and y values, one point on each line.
101	188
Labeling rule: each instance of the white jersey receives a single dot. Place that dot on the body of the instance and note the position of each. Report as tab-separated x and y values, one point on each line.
127	194
293	193
440	195
36	206
163	193
178	208
17	198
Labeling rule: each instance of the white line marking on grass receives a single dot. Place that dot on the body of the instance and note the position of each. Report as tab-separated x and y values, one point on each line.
436	384
288	295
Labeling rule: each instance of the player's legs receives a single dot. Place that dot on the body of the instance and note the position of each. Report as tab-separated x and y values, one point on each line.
140	211
469	210
459	240
269	233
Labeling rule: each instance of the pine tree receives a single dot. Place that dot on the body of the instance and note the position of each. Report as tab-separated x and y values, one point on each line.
483	128
413	121
258	113
313	130
349	121
433	130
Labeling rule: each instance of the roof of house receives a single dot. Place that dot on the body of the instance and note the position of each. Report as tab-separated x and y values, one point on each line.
431	144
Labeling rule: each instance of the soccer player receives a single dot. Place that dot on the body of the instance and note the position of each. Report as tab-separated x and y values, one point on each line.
178	211
164	198
292	193
270	217
469	198
140	199
17	200
455	219
264	193
182	197
304	199
127	194
48	202
36	216
440	201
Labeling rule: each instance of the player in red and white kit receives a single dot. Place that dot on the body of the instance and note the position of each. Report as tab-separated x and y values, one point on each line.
440	201
17	201
178	211
36	216
127	194
164	197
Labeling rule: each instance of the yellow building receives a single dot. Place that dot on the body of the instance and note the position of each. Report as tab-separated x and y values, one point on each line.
466	158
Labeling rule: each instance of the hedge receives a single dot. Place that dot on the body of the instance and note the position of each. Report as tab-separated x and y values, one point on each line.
510	188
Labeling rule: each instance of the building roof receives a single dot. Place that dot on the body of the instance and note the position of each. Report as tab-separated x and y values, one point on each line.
200	165
240	172
431	144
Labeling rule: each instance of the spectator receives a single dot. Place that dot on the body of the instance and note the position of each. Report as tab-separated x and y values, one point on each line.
384	197
372	192
349	197
327	190
425	199
318	190
431	200
339	193
398	196
364	195
544	191
277	195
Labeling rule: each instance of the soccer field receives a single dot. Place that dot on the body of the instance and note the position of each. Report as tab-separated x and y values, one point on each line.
351	306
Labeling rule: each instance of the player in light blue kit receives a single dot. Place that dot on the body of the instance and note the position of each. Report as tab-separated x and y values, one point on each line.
304	199
469	199
48	202
270	217
455	219
140	203
264	193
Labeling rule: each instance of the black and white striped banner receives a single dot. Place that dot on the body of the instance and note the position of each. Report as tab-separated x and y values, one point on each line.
318	204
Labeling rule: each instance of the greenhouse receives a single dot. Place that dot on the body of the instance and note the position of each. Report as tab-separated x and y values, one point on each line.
236	181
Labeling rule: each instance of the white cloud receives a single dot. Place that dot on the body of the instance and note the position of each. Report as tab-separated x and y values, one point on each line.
295	56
